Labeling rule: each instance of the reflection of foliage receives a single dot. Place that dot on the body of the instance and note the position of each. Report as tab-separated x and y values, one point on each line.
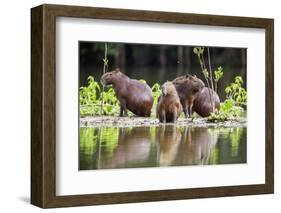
214	146
152	134
213	135
92	139
91	99
214	156
235	138
88	140
232	136
108	139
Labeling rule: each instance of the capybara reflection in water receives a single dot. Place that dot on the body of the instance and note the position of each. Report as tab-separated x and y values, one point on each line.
188	87
132	94
202	104
196	145
167	140
169	107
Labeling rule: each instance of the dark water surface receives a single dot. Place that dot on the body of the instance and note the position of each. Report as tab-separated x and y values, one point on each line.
138	147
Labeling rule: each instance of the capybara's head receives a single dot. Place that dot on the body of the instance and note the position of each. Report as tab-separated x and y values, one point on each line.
193	83
111	77
168	88
196	83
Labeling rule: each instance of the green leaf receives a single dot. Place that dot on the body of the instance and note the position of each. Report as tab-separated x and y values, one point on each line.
195	50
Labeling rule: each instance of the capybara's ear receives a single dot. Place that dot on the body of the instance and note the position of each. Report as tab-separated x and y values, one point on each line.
194	76
117	69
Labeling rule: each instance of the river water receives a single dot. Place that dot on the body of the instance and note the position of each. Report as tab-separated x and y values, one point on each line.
159	146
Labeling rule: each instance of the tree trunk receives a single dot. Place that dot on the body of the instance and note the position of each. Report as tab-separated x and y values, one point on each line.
180	60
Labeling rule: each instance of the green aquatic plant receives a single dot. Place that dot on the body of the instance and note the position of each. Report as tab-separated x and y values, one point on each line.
232	107
89	94
92	99
156	90
236	92
218	74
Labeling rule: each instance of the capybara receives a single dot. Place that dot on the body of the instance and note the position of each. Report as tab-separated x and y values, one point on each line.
132	94
202	104
188	87
169	107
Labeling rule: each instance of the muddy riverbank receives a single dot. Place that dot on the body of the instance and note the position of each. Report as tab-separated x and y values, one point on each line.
113	121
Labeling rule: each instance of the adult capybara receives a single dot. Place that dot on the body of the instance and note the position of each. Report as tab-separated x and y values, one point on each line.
188	87
202	104
169	107
132	94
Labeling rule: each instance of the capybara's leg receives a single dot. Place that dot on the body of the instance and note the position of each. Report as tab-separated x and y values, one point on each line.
123	112
185	112
174	116
148	114
184	108
163	116
123	108
189	109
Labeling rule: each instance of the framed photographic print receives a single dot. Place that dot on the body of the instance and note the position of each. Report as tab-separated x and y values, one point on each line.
136	106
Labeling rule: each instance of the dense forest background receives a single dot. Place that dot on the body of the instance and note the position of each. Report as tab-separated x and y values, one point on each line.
158	63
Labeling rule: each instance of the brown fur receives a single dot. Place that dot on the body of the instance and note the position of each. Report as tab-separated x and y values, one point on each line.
132	94
188	87
202	104
169	107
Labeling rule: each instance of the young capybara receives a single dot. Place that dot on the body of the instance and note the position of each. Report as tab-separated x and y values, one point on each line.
132	94
188	87
169	107
202	104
